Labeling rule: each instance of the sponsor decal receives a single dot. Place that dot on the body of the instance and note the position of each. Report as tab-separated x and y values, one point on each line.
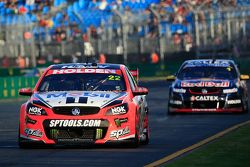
85	94
237	101
204	98
177	90
35	111
205	84
83	66
114	77
217	63
118	133
99	133
118	110
119	121
54	133
82	71
75	140
75	123
33	132
176	102
233	90
29	120
204	109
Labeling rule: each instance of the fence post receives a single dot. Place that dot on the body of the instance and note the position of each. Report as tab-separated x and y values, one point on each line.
33	52
204	32
212	24
229	37
161	45
63	48
124	35
124	41
244	23
197	33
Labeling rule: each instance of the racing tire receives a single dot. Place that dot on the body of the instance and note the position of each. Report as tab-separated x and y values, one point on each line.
245	106
146	141
23	144
135	141
168	111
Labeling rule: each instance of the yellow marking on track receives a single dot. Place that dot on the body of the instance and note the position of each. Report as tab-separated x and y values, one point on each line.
194	146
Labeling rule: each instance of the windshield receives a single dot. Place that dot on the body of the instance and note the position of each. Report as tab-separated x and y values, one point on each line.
82	82
207	72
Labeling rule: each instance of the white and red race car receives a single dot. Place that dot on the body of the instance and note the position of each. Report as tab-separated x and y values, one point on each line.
87	103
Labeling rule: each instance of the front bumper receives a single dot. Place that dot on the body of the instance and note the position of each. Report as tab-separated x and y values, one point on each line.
193	103
100	131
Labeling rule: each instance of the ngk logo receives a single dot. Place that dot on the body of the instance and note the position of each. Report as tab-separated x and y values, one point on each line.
35	110
118	110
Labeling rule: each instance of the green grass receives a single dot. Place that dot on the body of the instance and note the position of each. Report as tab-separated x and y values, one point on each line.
232	150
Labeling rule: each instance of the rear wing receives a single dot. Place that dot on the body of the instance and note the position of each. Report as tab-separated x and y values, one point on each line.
135	74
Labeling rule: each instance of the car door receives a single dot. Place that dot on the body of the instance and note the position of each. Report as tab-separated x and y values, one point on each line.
140	100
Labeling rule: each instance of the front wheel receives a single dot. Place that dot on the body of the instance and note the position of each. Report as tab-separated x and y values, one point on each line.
245	106
168	111
145	135
21	143
134	142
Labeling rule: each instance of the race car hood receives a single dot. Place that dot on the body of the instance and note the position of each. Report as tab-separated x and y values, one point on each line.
204	83
79	98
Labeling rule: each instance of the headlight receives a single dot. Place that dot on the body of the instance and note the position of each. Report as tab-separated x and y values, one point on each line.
34	110
118	110
179	90
233	90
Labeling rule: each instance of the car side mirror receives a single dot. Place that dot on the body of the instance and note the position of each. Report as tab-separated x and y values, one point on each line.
25	92
171	78
140	91
244	77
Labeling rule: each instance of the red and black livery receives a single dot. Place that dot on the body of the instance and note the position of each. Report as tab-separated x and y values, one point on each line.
208	85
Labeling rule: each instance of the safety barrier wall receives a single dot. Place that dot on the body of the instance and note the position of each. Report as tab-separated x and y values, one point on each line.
9	86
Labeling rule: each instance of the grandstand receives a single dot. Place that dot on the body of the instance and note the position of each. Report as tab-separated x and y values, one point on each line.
174	14
110	20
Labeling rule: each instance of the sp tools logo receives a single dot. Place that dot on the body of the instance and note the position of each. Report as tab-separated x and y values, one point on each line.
118	133
33	132
75	123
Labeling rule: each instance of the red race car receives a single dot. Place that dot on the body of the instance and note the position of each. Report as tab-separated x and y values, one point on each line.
88	103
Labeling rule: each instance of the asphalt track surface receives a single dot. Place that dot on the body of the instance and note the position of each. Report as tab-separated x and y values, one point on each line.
168	135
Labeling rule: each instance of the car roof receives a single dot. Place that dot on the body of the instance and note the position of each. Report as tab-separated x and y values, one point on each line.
86	65
209	62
